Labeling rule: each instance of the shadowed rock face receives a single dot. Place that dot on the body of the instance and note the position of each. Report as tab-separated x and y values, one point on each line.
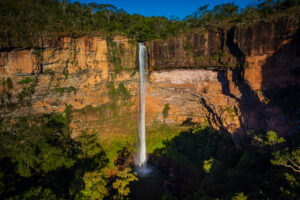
250	59
222	77
272	53
197	50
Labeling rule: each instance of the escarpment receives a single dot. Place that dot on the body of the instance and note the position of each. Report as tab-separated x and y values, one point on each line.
250	66
229	78
95	76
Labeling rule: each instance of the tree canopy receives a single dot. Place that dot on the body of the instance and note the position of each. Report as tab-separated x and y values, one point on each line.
20	21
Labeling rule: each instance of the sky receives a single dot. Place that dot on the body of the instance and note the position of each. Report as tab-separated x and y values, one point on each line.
178	8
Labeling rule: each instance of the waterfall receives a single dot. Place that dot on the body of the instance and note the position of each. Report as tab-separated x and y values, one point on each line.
141	162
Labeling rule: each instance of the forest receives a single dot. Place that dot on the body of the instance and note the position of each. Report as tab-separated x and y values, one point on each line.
40	160
22	21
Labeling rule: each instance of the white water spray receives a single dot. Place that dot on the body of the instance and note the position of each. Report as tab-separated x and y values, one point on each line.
142	158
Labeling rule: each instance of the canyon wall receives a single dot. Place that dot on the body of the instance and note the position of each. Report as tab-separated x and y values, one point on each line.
220	77
96	77
250	66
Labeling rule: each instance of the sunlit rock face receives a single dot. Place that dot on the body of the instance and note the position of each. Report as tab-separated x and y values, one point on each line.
217	77
185	90
73	71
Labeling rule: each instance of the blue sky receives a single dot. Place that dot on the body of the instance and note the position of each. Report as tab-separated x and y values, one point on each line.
179	8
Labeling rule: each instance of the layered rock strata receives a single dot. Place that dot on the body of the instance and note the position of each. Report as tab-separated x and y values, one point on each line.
217	77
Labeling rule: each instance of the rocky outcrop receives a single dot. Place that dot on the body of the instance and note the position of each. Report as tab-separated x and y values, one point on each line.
217	77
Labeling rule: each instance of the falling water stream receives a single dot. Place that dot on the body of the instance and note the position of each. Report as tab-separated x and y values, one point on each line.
149	185
142	157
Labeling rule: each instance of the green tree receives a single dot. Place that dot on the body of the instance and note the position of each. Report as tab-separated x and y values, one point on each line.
36	147
121	184
207	164
287	158
239	196
35	193
95	185
91	154
200	11
273	139
39	193
267	6
225	10
89	145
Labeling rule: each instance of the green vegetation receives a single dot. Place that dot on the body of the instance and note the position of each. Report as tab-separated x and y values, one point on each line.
24	96
26	81
265	166
40	160
7	86
165	112
122	181
7	83
68	90
219	54
218	58
114	145
25	22
239	196
95	186
116	116
187	46
157	134
115	55
120	93
66	74
229	14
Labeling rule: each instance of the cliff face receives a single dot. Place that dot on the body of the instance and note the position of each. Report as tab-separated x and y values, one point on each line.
272	53
194	96
199	49
265	49
91	74
219	77
248	65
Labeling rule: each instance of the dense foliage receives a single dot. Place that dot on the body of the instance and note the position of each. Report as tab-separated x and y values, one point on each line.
39	160
262	166
21	22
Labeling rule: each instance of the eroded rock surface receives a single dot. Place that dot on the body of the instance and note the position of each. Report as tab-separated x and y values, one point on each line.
217	77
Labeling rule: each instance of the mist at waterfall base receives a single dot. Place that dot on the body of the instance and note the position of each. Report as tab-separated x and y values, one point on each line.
148	187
